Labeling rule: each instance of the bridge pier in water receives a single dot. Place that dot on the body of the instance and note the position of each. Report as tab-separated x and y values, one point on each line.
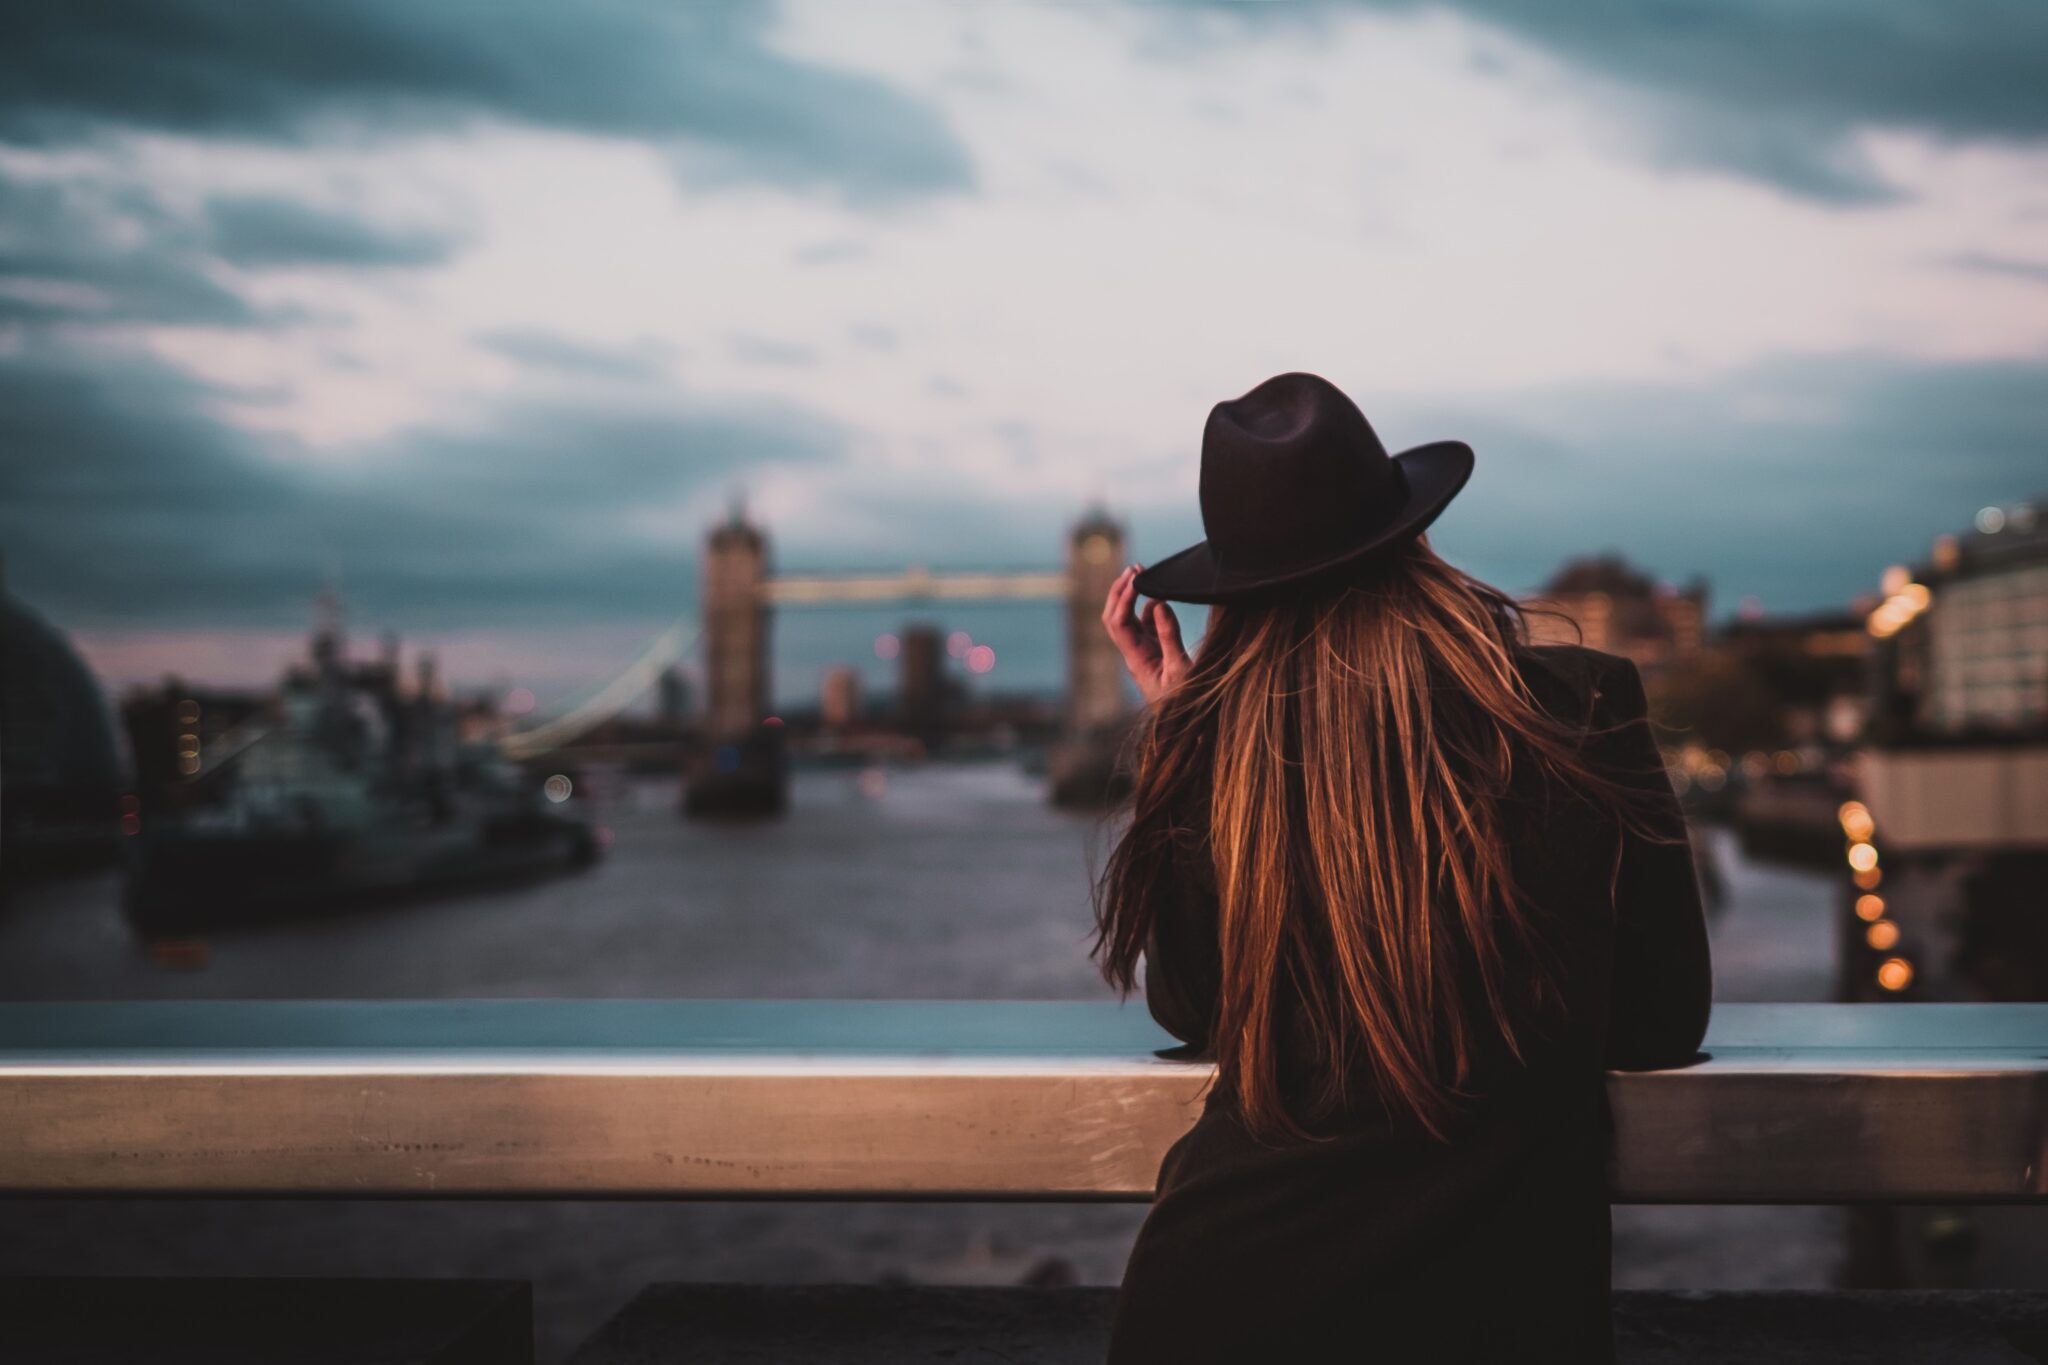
742	766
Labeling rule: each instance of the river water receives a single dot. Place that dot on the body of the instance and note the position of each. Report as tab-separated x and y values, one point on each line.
938	882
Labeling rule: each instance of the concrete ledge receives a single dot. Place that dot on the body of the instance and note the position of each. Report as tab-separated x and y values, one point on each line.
265	1322
698	1324
677	1324
1869	1327
919	1100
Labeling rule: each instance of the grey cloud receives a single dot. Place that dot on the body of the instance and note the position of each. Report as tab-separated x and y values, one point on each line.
1019	440
567	459
1827	166
1774	92
68	252
831	251
873	335
1988	264
696	75
101	249
258	232
127	502
1778	92
544	350
760	350
123	497
1797	480
936	520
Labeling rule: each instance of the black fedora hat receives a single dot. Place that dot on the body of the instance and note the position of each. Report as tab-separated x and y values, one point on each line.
1295	488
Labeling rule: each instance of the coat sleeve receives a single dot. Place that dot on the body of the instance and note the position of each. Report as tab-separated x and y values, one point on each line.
1183	963
1663	976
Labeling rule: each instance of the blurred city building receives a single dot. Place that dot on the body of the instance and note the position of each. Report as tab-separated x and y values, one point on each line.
1770	684
1958	755
921	681
62	784
1963	636
1622	610
1948	844
175	729
1814	667
672	697
839	698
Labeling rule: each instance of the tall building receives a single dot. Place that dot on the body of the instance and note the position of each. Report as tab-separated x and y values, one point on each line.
921	689
1951	836
1621	610
839	698
1814	667
672	696
175	731
735	627
61	778
1962	639
1095	671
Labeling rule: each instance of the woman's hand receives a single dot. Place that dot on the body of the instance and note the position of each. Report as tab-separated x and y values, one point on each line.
1149	639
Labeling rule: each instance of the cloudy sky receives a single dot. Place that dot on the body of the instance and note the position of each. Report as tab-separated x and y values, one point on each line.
486	311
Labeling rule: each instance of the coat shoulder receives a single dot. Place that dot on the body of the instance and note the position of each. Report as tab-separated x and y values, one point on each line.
1573	679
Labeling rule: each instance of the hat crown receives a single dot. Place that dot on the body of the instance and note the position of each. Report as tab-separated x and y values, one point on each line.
1292	471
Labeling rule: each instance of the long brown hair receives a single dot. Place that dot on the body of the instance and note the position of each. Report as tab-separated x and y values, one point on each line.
1337	765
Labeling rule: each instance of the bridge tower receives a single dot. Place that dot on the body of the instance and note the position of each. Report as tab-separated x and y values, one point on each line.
1095	673
735	607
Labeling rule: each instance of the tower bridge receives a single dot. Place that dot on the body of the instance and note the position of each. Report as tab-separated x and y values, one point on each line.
741	591
915	585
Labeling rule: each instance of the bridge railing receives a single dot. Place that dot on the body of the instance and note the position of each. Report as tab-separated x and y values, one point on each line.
913	1100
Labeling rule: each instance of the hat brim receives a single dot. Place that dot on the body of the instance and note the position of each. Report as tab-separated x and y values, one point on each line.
1434	473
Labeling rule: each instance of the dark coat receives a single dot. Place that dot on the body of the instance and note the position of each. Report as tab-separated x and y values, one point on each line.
1387	1245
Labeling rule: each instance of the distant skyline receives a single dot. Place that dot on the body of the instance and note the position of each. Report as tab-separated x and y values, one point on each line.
487	312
